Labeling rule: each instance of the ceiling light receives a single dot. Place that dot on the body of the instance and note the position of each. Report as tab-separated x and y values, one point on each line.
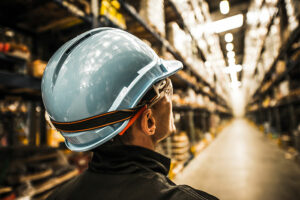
231	60
230	54
229	46
225	24
228	37
233	69
238	68
224	7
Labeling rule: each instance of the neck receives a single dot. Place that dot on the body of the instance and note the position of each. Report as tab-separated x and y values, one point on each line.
142	140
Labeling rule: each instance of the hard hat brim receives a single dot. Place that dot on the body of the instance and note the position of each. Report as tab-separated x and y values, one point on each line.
172	66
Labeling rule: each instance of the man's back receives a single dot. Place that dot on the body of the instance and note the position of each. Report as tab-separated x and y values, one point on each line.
126	172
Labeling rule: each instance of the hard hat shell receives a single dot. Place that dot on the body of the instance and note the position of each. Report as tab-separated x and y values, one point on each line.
99	71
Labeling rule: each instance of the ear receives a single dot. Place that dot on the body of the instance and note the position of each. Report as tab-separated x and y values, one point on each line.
148	122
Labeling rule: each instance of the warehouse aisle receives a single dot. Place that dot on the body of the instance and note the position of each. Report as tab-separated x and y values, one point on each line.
242	164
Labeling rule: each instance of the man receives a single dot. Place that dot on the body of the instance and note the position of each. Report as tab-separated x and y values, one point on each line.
108	92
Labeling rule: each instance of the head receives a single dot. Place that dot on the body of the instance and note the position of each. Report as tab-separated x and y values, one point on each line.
154	124
92	86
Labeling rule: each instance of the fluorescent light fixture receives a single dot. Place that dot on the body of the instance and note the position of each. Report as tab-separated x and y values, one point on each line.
233	69
238	68
228	37
229	46
226	24
231	61
227	70
224	7
230	54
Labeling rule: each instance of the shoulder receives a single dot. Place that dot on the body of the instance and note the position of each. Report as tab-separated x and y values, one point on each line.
65	190
195	194
164	187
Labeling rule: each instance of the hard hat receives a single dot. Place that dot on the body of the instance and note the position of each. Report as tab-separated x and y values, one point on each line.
100	71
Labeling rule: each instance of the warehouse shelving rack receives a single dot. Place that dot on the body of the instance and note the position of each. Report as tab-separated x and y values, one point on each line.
86	21
132	12
15	84
259	94
10	80
293	37
178	18
281	114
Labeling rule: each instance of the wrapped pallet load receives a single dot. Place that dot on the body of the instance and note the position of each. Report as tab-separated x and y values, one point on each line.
152	11
179	39
180	147
197	10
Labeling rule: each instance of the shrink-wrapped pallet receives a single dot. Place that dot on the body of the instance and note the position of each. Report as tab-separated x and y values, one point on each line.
180	147
180	40
152	11
197	10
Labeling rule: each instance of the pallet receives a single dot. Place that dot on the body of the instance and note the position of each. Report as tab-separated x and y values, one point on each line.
36	176
49	184
4	190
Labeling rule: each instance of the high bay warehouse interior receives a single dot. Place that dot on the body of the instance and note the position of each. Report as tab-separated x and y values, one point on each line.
235	103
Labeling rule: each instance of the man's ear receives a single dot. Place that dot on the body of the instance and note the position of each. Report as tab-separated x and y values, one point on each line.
148	124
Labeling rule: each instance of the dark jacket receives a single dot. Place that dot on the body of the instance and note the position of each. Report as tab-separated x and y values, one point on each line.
126	172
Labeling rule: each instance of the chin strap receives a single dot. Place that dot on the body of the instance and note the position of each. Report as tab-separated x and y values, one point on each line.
101	120
132	120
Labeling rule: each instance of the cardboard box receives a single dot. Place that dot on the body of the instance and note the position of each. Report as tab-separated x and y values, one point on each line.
37	68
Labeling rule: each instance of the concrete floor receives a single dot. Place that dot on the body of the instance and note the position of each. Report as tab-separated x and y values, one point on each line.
242	164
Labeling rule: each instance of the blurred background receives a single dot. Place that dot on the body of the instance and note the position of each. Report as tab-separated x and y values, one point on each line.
236	102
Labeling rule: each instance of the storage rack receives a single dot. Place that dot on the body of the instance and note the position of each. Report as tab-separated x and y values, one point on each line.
28	87
280	116
88	19
131	11
16	80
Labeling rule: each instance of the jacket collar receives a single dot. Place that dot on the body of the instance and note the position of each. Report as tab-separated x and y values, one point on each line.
125	159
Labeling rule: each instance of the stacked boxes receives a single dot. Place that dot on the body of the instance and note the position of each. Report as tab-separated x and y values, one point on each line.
110	9
293	10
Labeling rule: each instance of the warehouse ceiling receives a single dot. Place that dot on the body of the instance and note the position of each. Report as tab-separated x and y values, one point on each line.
237	96
236	7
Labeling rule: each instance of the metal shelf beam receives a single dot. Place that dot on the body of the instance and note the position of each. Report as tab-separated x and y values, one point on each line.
19	81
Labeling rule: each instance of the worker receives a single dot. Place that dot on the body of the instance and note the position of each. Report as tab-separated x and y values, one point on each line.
108	92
